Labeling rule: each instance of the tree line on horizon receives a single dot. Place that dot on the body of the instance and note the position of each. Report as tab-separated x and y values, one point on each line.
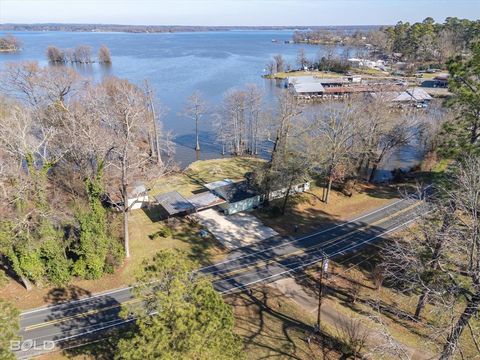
426	41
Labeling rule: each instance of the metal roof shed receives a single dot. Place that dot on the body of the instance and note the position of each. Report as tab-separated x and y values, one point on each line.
174	203
309	88
205	200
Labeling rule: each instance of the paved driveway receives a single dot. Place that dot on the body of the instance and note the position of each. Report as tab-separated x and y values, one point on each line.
236	230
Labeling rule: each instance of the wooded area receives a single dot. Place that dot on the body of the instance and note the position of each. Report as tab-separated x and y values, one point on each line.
70	150
423	42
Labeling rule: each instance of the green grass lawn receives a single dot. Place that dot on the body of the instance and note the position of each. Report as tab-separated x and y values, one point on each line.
201	172
308	212
143	223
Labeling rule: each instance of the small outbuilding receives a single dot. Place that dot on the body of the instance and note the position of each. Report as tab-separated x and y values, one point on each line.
138	197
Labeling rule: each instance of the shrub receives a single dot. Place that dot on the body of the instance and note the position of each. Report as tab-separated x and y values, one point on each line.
164	232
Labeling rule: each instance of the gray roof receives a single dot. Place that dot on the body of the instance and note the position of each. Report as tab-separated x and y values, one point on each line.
174	203
236	192
413	94
205	200
306	88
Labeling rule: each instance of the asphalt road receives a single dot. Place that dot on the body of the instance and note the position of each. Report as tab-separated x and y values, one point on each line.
263	262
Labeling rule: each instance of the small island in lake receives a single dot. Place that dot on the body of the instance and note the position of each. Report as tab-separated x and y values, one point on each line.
10	43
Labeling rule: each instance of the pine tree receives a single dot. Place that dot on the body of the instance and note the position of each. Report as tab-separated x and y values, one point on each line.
181	316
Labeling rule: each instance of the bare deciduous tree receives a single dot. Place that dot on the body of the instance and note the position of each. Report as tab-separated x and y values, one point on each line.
82	54
195	110
279	63
353	335
241	121
104	56
10	43
124	108
287	111
55	55
466	197
302	59
335	130
156	112
270	67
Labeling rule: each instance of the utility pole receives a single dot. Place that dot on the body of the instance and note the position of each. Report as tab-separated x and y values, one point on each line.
320	289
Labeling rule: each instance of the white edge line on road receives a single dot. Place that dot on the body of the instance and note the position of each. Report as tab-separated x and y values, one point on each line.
108	292
320	259
226	292
305	237
48	307
121	322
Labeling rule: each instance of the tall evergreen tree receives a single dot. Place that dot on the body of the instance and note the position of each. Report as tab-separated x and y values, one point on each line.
463	135
181	316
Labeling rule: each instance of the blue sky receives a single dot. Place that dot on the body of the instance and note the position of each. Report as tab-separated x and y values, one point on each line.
235	12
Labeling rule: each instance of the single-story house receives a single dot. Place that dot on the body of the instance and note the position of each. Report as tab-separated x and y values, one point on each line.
411	96
365	63
439	81
238	196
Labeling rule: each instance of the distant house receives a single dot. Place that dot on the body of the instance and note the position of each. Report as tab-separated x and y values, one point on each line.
308	89
439	81
417	97
239	196
413	95
367	64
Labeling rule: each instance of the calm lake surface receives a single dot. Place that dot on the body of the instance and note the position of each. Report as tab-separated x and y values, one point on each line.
176	64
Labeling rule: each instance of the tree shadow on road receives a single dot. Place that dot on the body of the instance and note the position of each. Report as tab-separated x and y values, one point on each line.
87	326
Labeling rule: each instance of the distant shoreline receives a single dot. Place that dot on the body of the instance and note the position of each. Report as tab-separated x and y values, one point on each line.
165	28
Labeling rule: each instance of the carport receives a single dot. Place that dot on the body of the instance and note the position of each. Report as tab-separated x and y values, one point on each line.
175	204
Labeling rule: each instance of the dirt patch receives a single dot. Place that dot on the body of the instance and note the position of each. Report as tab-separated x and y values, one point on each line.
308	212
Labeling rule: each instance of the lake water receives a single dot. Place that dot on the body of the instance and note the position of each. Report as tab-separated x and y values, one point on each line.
176	64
